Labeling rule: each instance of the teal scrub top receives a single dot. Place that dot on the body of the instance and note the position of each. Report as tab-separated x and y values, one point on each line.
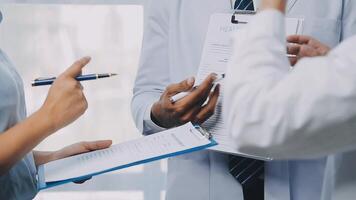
20	182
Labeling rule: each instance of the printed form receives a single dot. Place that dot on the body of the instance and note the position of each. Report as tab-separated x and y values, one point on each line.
215	57
167	142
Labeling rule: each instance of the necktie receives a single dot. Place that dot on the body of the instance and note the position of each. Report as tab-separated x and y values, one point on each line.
244	5
249	173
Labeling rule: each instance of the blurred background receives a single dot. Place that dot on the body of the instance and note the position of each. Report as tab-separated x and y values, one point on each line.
43	38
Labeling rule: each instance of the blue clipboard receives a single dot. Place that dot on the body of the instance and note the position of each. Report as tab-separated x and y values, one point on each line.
42	184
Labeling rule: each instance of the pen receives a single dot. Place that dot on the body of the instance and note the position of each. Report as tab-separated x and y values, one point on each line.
181	95
291	56
49	81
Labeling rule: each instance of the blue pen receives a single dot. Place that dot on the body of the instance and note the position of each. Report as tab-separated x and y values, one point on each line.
49	81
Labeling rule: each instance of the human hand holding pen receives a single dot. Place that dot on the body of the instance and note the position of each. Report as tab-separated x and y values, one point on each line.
167	114
181	95
66	101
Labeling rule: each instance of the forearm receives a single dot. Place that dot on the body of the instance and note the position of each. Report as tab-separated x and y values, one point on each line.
306	113
273	4
22	138
254	74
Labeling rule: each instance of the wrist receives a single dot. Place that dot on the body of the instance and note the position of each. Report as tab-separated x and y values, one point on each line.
43	157
153	116
46	120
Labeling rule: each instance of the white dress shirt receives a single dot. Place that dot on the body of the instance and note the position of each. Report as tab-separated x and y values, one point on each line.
304	113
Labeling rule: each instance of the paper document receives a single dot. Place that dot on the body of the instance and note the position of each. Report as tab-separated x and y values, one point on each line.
184	139
215	57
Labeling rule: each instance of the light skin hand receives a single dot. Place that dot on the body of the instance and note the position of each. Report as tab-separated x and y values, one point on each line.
189	109
64	104
305	46
66	101
42	157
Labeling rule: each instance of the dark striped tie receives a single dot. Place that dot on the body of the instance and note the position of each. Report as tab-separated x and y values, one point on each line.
248	172
244	5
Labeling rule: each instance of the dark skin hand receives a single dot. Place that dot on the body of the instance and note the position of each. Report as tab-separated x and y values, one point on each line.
189	109
305	46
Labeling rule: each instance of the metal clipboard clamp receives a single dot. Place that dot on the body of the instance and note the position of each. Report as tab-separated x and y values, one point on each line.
241	12
204	132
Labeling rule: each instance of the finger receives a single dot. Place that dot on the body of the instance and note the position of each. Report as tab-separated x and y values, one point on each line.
82	147
298	39
79	85
208	110
307	51
293	49
190	115
200	94
97	145
183	86
76	69
293	61
85	103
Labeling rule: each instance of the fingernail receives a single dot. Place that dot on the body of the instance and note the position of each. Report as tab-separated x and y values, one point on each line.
214	75
190	80
86	58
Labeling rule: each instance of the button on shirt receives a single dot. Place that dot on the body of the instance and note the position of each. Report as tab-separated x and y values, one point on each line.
20	181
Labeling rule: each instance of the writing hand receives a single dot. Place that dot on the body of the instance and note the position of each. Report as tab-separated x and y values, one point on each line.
189	109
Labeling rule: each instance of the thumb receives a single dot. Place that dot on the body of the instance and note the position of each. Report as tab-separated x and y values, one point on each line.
97	145
76	69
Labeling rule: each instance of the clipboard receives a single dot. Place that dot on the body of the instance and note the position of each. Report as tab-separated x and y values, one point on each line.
217	52
170	143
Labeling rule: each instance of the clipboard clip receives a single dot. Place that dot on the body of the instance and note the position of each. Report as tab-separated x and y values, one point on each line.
204	132
234	19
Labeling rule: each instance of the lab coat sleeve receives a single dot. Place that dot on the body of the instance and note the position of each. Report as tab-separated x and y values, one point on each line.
152	76
348	19
306	113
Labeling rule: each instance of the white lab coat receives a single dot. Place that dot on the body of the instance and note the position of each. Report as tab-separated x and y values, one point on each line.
173	40
308	112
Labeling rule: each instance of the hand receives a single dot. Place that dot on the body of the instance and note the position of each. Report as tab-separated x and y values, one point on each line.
79	148
305	46
66	101
74	149
189	109
273	4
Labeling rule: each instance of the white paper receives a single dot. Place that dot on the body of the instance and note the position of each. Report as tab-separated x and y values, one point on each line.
215	57
167	142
